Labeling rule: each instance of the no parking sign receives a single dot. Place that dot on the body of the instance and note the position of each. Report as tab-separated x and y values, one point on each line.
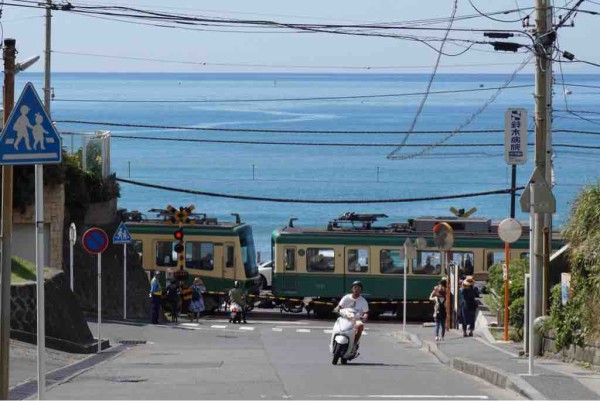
95	241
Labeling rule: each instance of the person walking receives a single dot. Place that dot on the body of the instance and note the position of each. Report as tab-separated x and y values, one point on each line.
155	295
197	302
468	305
438	296
173	297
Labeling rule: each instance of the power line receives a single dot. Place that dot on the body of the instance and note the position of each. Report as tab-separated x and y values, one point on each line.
294	99
394	155
254	65
288	131
316	201
496	19
325	144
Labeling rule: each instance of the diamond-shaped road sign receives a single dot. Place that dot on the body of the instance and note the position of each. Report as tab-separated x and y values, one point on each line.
122	235
29	136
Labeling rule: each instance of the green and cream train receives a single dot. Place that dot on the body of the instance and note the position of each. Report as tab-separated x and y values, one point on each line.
218	252
319	264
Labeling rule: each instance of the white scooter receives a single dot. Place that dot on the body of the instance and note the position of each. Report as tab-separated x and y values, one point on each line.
341	345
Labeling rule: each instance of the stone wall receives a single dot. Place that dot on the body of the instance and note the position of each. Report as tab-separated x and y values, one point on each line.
54	209
101	213
589	354
64	318
86	280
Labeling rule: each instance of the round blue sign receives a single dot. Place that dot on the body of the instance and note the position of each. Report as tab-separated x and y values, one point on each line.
95	240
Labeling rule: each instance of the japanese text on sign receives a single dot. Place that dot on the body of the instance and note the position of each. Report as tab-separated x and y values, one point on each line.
515	136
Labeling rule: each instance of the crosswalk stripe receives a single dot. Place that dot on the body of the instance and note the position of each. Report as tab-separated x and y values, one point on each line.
218	326
247	328
303	331
327	331
190	324
277	329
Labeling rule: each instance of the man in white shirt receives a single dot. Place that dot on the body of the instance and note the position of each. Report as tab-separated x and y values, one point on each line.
359	305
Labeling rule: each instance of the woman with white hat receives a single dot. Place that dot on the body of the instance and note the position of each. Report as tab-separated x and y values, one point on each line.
468	305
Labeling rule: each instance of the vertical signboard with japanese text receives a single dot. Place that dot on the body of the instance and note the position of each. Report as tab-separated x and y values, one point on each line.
515	136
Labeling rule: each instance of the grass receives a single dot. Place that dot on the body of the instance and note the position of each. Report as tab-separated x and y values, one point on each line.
22	270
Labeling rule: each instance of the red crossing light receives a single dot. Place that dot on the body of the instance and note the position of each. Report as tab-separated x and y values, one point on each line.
178	234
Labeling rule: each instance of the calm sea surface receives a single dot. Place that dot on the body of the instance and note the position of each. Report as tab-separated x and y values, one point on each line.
305	172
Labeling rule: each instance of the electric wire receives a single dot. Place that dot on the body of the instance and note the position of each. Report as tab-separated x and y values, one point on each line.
315	201
496	19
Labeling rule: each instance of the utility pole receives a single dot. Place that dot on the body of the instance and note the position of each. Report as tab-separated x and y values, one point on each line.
7	210
537	197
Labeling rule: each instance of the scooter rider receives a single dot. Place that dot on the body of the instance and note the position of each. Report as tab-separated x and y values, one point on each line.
237	295
360	306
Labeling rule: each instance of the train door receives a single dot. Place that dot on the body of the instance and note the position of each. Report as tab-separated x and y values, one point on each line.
229	261
290	269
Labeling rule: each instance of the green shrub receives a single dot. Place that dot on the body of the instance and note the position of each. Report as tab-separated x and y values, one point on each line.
518	269
566	320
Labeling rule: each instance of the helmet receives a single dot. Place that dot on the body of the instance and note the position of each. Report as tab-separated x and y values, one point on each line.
358	283
236	284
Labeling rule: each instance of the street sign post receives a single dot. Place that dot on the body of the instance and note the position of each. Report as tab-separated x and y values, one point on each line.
95	241
72	240
515	136
122	236
28	137
509	231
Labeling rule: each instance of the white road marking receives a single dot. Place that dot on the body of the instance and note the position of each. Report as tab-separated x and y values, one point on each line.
328	331
218	326
246	328
301	323
497	348
303	331
277	329
418	396
190	324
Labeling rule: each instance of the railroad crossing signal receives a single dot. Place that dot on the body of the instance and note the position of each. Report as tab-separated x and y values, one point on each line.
181	216
178	234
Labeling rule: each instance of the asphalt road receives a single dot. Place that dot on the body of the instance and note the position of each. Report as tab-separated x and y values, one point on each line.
273	357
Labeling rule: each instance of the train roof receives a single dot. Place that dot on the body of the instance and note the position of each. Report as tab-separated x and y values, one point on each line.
138	222
352	228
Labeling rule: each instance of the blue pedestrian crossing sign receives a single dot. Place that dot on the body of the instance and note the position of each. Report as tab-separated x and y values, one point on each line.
122	235
29	137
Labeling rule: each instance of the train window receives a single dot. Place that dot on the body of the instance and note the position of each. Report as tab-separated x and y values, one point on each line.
165	253
358	260
494	258
199	255
290	259
428	263
391	261
138	249
229	256
320	260
464	260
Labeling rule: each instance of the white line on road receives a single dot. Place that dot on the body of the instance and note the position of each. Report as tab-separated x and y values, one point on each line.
328	331
303	331
247	328
418	396
277	329
218	326
190	324
301	323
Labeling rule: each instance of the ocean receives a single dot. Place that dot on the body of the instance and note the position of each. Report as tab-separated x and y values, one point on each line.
321	172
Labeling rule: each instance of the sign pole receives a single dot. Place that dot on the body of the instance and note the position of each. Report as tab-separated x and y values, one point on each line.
408	245
39	260
506	290
99	299
124	281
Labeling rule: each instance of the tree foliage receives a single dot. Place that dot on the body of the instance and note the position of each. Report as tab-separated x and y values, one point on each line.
518	268
577	321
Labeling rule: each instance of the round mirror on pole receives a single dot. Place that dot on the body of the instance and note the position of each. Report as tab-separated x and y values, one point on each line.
443	236
510	230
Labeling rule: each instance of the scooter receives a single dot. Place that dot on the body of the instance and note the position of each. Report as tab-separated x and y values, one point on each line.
235	311
341	345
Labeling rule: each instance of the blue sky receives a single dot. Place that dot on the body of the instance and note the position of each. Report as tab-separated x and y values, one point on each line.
74	33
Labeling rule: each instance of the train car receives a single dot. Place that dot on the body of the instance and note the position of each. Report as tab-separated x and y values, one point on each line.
218	252
319	264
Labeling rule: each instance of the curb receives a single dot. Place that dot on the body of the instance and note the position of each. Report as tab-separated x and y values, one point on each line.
494	376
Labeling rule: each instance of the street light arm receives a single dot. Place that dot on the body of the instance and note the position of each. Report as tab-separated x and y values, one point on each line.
26	64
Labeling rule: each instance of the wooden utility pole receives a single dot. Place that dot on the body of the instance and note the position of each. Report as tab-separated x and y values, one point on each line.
7	211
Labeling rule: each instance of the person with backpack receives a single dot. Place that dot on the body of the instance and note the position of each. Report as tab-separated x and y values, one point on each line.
438	296
468	305
197	302
173	297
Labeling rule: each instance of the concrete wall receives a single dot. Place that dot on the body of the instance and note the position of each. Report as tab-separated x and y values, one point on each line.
590	353
64	318
101	213
24	227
